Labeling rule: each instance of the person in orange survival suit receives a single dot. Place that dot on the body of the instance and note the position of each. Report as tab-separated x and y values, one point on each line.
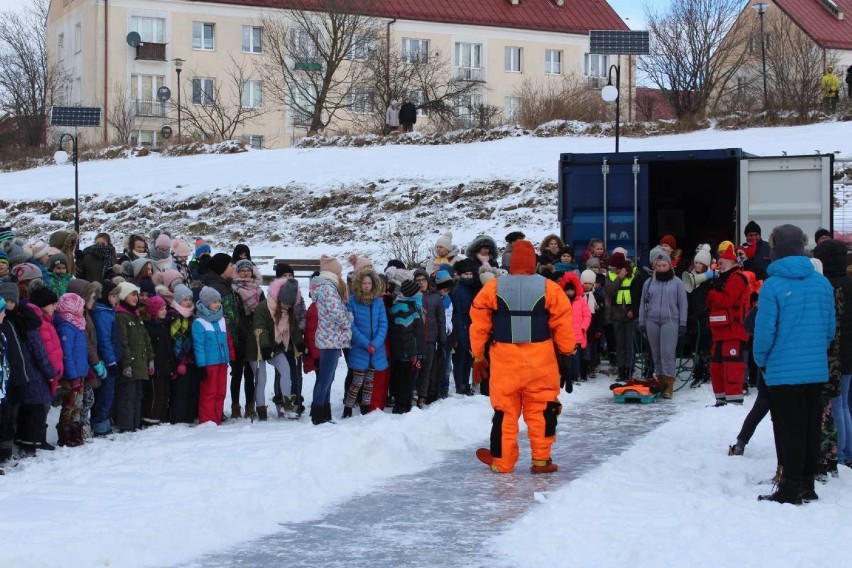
522	316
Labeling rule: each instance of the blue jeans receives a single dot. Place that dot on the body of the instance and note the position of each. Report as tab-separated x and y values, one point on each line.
843	421
325	375
104	395
448	368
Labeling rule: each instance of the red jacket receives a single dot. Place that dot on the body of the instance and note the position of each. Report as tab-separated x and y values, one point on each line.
732	302
51	344
310	362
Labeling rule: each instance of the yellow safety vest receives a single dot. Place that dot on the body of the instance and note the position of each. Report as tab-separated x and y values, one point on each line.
623	297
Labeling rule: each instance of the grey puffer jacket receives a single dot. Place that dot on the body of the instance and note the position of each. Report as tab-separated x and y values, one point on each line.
663	301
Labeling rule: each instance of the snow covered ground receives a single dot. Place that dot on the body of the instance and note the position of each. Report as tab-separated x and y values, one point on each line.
176	495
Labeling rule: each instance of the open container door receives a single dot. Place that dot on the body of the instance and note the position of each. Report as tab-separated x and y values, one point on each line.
786	189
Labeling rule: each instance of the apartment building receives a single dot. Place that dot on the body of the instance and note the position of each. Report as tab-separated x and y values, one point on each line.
121	52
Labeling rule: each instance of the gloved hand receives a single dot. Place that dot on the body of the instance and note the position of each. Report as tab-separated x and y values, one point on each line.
151	369
181	369
681	332
127	372
711	274
415	362
100	370
370	349
480	369
565	371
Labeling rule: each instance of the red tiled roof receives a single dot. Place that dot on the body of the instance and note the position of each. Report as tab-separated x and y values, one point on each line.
820	24
575	16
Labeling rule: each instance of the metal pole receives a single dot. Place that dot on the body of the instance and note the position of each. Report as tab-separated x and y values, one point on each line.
763	57
617	105
178	86
76	190
605	172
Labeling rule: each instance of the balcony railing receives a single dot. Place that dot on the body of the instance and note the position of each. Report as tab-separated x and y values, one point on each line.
476	74
151	51
146	107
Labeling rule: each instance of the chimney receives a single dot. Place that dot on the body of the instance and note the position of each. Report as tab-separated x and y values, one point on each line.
832	7
559	2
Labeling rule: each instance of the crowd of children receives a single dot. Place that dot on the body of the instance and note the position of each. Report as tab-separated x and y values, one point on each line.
125	341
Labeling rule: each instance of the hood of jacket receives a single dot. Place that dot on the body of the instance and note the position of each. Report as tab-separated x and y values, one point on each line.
482	241
376	292
795	267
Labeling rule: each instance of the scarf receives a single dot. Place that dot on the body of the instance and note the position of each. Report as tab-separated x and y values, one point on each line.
248	289
184	312
282	325
70	308
663	276
58	283
590	299
104	253
205	313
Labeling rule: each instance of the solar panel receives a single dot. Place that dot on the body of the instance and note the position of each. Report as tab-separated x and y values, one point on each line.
619	42
75	116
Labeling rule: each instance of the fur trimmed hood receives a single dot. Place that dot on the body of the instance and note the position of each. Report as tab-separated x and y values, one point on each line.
376	292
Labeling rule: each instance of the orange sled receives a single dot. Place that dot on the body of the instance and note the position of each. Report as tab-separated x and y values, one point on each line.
644	391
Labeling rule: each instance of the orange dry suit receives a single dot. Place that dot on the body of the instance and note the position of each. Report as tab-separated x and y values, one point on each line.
526	319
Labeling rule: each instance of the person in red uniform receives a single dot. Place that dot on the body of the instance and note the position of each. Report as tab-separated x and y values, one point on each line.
727	304
524	320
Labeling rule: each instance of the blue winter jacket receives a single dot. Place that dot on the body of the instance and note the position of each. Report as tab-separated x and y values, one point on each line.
210	341
463	295
795	323
370	327
110	346
42	371
74	354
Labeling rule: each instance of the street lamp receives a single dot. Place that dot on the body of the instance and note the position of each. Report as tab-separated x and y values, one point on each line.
178	64
761	8
611	93
60	157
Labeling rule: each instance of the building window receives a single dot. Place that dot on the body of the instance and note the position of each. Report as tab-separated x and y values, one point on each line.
78	91
553	62
150	30
252	97
252	39
60	47
512	59
202	91
361	100
147	138
363	48
595	65
466	107
303	47
467	59
770	41
511	106
202	36
255	141
143	91
78	37
418	99
415	50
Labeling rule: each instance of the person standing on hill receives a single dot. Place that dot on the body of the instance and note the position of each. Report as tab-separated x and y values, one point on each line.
829	87
407	115
849	80
392	117
525	320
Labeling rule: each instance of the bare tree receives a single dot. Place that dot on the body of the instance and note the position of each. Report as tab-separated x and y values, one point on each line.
29	84
692	52
220	110
312	57
570	98
425	77
122	115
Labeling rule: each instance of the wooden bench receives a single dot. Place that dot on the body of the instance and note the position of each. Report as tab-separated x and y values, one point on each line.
302	267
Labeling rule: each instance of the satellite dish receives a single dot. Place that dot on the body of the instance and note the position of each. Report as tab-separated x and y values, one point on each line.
134	39
164	94
166	132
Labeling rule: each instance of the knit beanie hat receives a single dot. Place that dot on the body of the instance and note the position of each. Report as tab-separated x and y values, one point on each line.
40	249
4	258
787	240
70	303
219	263
820	233
567	249
283	268
409	288
167	277
55	259
42	297
134	267
181	248
6	234
727	251
163	241
201	247
443	280
588	277
657	253
669	240
703	257
243	263
616	260
9	292
330	264
523	259
400	275
155	303
394	263
182	292
108	287
622	250
58	238
752	227
445	240
15	250
288	292
125	289
147	286
27	271
515	236
359	262
209	295
747	249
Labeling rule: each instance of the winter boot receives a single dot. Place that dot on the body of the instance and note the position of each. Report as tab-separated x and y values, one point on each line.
365	409
347	412
250	412
584	370
736	450
484	455
421	402
261	414
668	382
235	410
317	414
808	492
788	492
543	466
